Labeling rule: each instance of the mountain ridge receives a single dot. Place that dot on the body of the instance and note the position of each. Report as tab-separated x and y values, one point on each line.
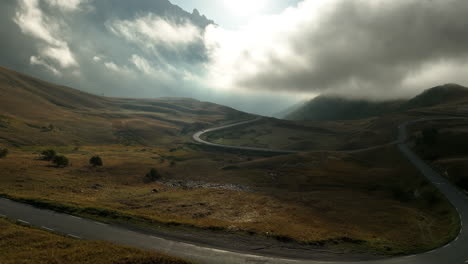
335	108
37	112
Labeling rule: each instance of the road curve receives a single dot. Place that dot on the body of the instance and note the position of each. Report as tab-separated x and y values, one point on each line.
455	252
197	138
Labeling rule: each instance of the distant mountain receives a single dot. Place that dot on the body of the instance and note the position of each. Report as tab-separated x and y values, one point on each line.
333	108
35	112
124	9
326	108
448	93
286	112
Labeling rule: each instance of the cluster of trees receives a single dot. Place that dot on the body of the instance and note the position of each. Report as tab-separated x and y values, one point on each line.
60	161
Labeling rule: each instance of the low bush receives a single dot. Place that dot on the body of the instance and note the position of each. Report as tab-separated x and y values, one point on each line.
401	195
96	161
153	175
48	154
432	198
430	136
3	153
60	161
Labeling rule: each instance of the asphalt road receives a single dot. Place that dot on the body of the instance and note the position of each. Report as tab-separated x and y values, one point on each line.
197	138
455	252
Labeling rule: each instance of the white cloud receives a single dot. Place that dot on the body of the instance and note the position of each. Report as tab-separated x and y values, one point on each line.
66	5
38	61
114	67
61	54
97	58
150	31
142	64
32	21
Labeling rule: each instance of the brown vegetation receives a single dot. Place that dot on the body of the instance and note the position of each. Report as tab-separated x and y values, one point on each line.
376	197
25	245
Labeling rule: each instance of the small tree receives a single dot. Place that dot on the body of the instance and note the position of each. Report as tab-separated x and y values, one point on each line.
153	175
60	161
430	136
96	161
48	154
3	153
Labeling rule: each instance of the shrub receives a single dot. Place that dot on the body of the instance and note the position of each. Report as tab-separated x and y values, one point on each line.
3	153
96	161
431	198
153	175
60	161
400	194
430	136
48	154
463	182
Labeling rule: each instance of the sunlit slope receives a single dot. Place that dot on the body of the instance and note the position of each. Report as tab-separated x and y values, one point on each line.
35	112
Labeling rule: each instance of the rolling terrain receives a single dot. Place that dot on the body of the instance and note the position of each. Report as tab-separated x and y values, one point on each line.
35	112
366	204
338	130
448	97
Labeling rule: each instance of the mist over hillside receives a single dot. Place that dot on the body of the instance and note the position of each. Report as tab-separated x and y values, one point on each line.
334	108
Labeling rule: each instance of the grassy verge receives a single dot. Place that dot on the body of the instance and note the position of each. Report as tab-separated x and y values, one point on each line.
373	245
374	201
25	245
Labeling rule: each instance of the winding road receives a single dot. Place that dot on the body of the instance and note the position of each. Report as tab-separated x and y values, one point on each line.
455	252
197	138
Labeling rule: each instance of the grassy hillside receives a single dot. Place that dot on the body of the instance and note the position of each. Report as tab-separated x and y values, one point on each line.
448	153
25	245
311	135
373	201
440	95
325	108
34	112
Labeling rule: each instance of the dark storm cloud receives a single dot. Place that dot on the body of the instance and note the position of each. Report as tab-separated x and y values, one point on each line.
151	48
366	48
71	42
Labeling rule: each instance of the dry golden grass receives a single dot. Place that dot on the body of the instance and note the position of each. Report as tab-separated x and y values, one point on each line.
308	135
323	198
35	112
24	245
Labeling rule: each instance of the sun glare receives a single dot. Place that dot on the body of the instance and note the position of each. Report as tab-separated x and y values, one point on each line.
245	7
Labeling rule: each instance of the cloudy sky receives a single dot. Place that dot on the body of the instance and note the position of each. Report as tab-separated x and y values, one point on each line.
259	56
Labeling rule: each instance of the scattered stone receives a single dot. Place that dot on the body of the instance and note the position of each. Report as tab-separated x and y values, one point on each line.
96	186
186	185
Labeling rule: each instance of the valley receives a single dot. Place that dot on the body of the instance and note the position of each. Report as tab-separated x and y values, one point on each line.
233	132
350	191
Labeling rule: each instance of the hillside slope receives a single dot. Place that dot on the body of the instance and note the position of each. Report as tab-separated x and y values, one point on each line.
326	108
35	112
